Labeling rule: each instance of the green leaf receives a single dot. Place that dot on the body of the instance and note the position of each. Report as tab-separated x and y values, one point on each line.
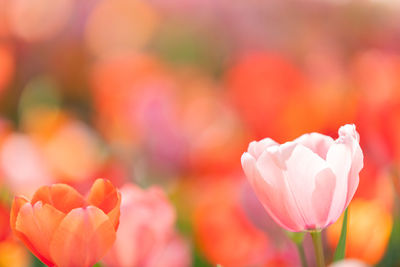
341	247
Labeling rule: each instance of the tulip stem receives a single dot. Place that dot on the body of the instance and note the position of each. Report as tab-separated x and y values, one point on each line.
302	255
319	252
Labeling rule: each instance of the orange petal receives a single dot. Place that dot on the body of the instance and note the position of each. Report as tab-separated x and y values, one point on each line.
106	197
63	197
37	224
82	238
18	202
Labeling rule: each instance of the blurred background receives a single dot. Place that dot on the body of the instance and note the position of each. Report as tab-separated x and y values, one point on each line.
169	93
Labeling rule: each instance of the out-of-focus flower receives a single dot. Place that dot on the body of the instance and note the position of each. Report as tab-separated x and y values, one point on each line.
313	177
217	239
4	31
369	228
146	234
117	172
7	66
14	254
36	21
70	148
380	126
118	83
119	26
217	139
349	263
259	85
376	75
72	151
63	228
23	172
4	222
376	184
175	253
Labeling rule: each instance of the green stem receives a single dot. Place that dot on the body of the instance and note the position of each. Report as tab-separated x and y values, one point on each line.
319	252
302	255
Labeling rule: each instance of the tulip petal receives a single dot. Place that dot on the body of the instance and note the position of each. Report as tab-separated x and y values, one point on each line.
356	166
349	136
61	196
37	223
82	238
18	202
339	159
325	183
318	143
256	148
106	197
271	193
303	166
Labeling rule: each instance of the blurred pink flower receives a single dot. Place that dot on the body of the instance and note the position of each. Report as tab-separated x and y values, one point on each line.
37	21
23	164
307	183
349	263
146	235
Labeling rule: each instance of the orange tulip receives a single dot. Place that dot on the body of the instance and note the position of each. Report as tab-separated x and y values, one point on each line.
62	228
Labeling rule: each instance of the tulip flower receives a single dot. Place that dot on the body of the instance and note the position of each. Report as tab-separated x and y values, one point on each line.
146	236
62	228
216	238
305	184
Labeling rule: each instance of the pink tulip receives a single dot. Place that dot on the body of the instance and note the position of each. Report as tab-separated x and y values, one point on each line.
146	236
307	183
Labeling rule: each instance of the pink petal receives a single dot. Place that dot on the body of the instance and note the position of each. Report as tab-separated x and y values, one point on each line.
349	130
325	184
356	166
272	192
339	159
303	168
256	148
318	143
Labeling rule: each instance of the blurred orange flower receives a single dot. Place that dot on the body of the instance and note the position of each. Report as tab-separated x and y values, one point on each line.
62	228
260	85
4	222
7	66
369	228
14	254
221	227
376	184
70	147
117	26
